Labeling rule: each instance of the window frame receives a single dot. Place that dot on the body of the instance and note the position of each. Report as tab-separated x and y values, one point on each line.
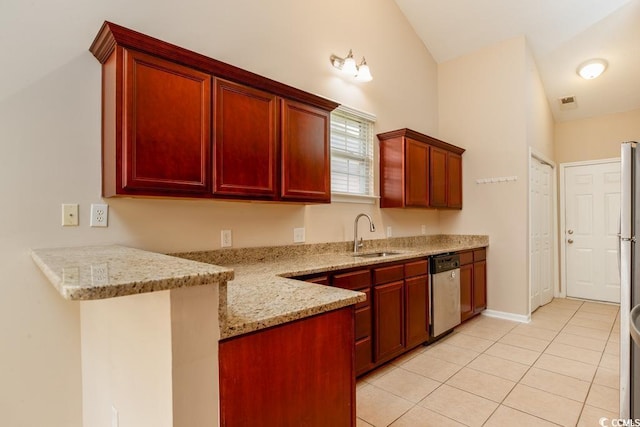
361	117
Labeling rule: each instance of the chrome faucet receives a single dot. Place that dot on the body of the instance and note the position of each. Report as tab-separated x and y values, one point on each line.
358	244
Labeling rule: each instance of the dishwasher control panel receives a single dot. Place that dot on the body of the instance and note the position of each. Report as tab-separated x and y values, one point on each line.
444	262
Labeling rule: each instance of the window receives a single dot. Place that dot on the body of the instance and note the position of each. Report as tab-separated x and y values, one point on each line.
351	154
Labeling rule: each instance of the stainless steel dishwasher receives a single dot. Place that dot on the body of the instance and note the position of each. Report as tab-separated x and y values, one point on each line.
445	293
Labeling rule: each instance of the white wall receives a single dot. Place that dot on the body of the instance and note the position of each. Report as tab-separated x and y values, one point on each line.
596	137
540	123
483	107
50	136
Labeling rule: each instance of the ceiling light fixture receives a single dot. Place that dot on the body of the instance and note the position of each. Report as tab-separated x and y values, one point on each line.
592	68
347	65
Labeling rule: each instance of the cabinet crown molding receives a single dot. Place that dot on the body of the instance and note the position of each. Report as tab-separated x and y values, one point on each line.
408	133
112	35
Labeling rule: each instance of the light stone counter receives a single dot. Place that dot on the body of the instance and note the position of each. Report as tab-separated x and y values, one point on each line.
98	272
261	296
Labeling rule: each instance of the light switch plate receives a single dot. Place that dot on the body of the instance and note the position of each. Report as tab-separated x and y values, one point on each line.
298	235
389	233
225	239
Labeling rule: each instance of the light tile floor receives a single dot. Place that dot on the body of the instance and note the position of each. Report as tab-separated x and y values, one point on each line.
560	369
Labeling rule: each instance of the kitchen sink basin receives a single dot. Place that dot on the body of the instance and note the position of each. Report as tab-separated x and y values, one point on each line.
376	254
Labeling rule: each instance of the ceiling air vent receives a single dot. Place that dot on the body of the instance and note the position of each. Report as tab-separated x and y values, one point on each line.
568	102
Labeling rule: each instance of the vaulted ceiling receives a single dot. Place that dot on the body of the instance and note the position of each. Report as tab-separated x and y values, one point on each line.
561	33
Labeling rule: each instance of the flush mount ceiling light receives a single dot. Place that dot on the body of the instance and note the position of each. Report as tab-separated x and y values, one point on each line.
592	68
348	66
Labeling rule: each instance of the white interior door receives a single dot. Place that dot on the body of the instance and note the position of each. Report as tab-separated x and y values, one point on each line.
541	233
592	212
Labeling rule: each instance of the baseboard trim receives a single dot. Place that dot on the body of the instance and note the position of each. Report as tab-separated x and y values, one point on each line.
507	316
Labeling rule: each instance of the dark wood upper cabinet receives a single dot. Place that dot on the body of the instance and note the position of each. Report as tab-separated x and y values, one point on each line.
416	174
246	141
438	178
417	170
168	132
164	110
306	164
454	180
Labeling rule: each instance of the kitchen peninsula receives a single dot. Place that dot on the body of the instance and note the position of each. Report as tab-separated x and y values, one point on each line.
156	319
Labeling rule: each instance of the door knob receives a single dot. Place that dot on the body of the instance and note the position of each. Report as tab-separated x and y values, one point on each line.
570	241
570	231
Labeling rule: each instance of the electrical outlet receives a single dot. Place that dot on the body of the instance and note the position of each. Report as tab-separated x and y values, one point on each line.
99	215
225	239
298	235
423	229
69	214
389	234
99	274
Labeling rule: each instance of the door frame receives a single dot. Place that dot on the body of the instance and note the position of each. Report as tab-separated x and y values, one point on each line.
563	256
534	154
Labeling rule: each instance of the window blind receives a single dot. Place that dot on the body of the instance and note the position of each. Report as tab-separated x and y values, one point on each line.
351	153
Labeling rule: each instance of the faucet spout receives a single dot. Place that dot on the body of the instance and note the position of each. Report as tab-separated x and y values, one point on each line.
358	244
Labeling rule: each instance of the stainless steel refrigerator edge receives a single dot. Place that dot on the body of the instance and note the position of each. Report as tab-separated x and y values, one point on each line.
629	281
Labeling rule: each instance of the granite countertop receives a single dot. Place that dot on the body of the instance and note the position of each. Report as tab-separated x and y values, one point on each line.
262	295
98	272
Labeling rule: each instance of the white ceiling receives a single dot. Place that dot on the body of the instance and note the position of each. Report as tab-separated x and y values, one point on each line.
561	34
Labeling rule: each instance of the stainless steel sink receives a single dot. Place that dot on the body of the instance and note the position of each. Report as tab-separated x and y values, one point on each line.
376	254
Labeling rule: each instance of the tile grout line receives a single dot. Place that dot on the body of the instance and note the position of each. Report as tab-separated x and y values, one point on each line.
564	324
525	373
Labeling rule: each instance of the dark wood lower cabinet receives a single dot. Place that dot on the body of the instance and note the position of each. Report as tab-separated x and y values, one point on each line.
417	315
466	292
358	280
297	374
395	316
479	286
388	300
473	282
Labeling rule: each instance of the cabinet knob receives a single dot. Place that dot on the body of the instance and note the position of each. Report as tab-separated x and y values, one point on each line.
570	241
570	231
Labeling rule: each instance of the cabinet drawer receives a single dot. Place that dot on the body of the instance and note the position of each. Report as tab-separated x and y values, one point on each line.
363	323
479	254
388	274
367	302
352	280
466	257
364	356
418	268
320	280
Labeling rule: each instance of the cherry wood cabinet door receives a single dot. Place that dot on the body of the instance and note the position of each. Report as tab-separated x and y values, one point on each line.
438	178
479	286
416	174
392	170
167	129
305	153
417	321
389	320
466	292
454	181
245	141
297	374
